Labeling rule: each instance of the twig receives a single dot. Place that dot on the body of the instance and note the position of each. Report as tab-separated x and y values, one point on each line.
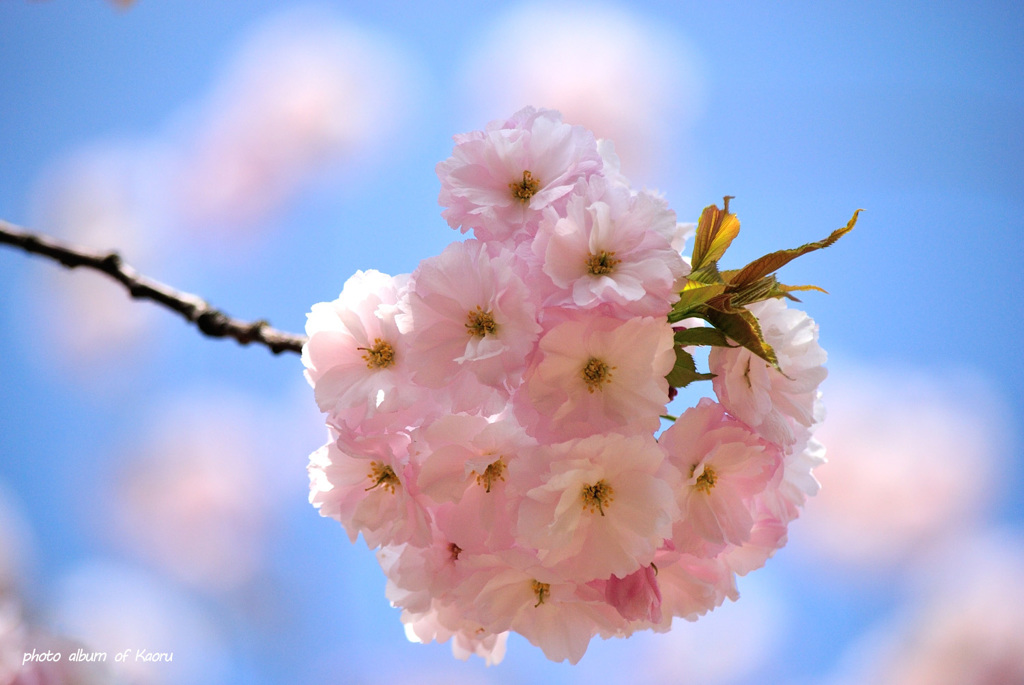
210	321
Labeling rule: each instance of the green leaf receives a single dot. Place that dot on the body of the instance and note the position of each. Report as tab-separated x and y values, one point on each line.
766	289
706	274
770	263
716	230
728	275
722	303
685	370
683	379
741	327
692	296
785	290
702	335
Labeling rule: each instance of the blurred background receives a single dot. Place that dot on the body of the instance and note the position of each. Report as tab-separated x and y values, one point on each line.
153	491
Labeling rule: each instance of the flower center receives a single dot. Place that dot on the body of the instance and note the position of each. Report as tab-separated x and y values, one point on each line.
380	356
601	264
454	551
382	476
480	323
597	496
542	590
595	373
525	189
706	479
494	472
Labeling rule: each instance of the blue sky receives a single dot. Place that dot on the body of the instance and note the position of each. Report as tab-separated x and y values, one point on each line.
803	111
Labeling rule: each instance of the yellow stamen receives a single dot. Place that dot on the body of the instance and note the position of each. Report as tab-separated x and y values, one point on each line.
602	264
380	356
595	373
525	189
494	472
480	323
597	496
706	480
542	590
382	476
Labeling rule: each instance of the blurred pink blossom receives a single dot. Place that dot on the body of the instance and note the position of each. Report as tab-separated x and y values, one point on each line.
727	646
305	93
12	639
964	627
197	492
16	543
606	68
107	196
113	608
911	465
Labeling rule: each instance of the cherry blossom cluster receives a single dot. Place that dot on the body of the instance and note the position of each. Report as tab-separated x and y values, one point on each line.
496	416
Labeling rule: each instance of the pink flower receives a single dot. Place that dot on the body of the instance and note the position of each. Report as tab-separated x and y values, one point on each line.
511	591
676	235
805	455
601	507
443	622
599	374
691	586
488	646
417	575
724	465
468	461
771	513
469	310
356	358
765	398
368	491
493	416
554	616
637	596
497	181
608	249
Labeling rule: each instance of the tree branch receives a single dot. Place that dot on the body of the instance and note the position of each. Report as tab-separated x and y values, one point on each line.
210	321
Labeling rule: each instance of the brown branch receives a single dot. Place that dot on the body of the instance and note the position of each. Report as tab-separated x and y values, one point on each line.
210	321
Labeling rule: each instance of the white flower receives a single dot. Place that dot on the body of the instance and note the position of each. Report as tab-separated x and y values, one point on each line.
764	398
